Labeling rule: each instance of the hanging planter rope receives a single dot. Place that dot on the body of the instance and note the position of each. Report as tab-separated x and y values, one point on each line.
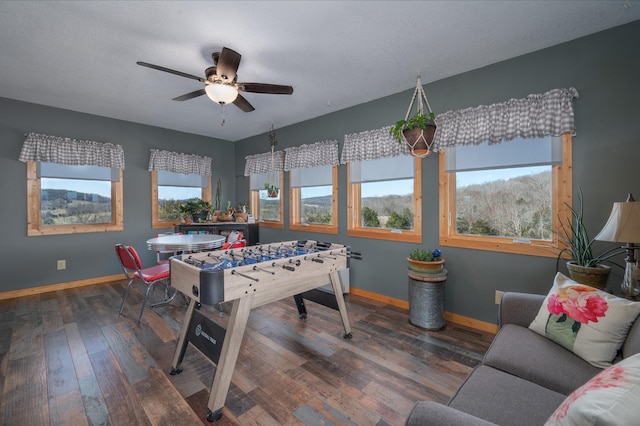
419	131
272	185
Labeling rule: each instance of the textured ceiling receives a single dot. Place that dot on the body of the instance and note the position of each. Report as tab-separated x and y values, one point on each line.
82	55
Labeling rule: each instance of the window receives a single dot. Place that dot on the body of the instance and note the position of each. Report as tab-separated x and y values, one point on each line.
65	199
508	201
176	178
314	199
385	199
267	210
170	190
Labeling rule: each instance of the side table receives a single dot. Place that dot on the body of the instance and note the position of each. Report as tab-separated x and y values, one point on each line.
426	300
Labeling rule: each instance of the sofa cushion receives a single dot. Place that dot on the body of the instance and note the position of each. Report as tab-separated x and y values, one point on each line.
610	398
526	354
591	323
504	399
429	413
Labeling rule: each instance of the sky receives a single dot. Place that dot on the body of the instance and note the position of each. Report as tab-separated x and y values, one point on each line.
372	189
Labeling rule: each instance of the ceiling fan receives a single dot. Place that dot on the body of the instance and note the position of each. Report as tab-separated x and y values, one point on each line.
221	82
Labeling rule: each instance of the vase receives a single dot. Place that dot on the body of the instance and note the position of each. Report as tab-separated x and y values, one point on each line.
595	276
241	217
419	267
419	140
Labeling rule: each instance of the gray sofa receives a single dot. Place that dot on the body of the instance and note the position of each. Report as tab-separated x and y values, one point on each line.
516	384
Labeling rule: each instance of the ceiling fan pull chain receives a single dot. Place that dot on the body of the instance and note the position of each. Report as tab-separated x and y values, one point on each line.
222	114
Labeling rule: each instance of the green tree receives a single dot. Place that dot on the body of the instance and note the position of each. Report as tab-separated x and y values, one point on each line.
400	221
370	218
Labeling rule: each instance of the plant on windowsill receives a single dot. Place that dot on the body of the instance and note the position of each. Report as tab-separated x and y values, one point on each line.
425	261
584	267
227	216
195	210
216	208
272	190
242	215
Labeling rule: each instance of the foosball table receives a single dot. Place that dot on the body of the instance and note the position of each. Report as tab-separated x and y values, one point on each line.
249	277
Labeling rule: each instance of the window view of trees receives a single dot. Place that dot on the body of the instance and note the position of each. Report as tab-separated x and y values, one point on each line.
316	209
171	197
269	206
60	206
393	211
519	207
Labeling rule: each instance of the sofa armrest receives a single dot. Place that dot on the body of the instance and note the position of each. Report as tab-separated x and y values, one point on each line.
519	308
426	413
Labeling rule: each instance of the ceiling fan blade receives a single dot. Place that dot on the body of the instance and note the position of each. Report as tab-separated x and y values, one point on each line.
190	95
243	104
227	65
180	73
275	89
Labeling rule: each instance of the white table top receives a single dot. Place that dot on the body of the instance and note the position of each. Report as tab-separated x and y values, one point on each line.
187	242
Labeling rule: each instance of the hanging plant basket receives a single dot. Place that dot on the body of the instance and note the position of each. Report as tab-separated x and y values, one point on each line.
272	193
420	129
420	140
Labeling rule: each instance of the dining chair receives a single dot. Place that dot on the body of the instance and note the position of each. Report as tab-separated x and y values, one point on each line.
133	270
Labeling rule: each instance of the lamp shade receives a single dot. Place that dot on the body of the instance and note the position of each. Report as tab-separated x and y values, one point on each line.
221	93
623	225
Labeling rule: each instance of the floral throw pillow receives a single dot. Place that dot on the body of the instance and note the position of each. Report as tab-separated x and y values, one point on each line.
612	397
591	323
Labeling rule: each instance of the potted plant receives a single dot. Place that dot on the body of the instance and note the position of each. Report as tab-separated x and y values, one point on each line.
216	208
418	132
584	267
195	209
272	190
227	216
241	214
425	261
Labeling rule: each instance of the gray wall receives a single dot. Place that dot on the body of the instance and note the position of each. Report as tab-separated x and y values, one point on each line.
31	261
604	68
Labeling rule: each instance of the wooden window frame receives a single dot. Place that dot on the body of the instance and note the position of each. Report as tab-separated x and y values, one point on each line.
295	210
35	228
561	185
353	212
254	196
156	223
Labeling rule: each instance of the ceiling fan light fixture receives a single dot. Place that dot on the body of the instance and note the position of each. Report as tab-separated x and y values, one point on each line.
221	93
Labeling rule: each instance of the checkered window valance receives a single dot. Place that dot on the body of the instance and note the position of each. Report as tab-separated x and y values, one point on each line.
267	162
312	155
371	145
71	152
174	162
536	116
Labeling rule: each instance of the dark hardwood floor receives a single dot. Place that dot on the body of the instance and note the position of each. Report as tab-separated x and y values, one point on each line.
67	358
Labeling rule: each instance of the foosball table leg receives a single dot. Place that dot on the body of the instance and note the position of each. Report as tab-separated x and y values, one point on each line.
302	310
181	347
213	416
229	355
342	307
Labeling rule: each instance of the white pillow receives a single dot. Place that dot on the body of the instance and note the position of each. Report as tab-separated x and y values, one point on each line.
589	322
612	397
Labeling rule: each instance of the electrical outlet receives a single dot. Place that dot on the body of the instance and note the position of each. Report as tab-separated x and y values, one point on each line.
62	264
499	296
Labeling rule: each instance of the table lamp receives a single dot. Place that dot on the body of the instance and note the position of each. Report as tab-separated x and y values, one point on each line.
623	226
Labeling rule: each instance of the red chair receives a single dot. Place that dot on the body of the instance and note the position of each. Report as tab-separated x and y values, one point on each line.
234	240
132	267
